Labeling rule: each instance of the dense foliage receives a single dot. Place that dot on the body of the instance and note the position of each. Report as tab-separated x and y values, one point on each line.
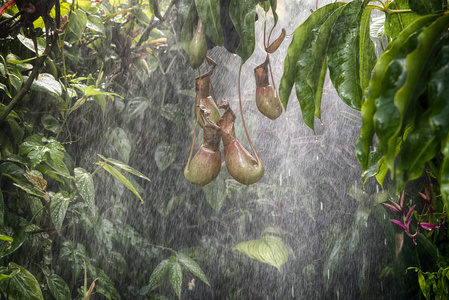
97	107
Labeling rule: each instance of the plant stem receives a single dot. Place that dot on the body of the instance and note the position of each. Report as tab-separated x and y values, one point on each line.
397	11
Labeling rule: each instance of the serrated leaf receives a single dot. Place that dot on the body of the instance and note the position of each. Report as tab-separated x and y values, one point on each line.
114	172
158	272
343	54
124	166
175	275
58	287
21	285
243	13
85	184
164	156
58	208
209	13
193	267
294	49
269	250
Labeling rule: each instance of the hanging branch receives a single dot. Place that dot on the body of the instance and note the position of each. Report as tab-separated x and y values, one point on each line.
24	89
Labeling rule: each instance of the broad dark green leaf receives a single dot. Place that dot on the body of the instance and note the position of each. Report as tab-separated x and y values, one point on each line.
58	207
158	272
343	54
22	285
425	7
243	14
2	210
58	287
310	64
209	13
18	239
294	49
85	184
175	275
395	23
193	267
444	172
164	156
17	131
46	83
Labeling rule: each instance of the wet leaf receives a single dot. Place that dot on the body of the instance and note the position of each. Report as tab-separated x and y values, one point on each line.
164	156
269	250
158	272
344	54
175	275
395	23
22	284
243	14
41	44
95	23
124	167
193	267
367	54
58	287
58	207
425	7
50	123
209	13
187	16
114	172
46	84
77	22
18	238
294	49
215	192
85	184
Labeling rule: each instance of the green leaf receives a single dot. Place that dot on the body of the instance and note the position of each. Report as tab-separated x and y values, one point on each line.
215	192
85	184
187	16
269	250
41	44
58	207
444	173
209	13
95	23
58	287
243	14
193	267
309	66
22	285
46	83
119	144
175	275
425	288
343	55
18	238
158	272
2	210
425	7
77	22
114	172
164	156
273	4
124	167
395	23
367	54
294	49
50	123
6	238
16	130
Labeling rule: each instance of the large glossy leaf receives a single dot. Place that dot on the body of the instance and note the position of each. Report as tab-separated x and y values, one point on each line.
85	184
58	287
367	54
46	83
269	249
78	22
243	14
395	23
175	275
294	49
58	207
311	61
343	54
193	267
414	65
22	285
425	7
376	86
209	13
158	272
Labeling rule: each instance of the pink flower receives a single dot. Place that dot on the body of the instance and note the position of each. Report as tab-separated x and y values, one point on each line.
428	226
